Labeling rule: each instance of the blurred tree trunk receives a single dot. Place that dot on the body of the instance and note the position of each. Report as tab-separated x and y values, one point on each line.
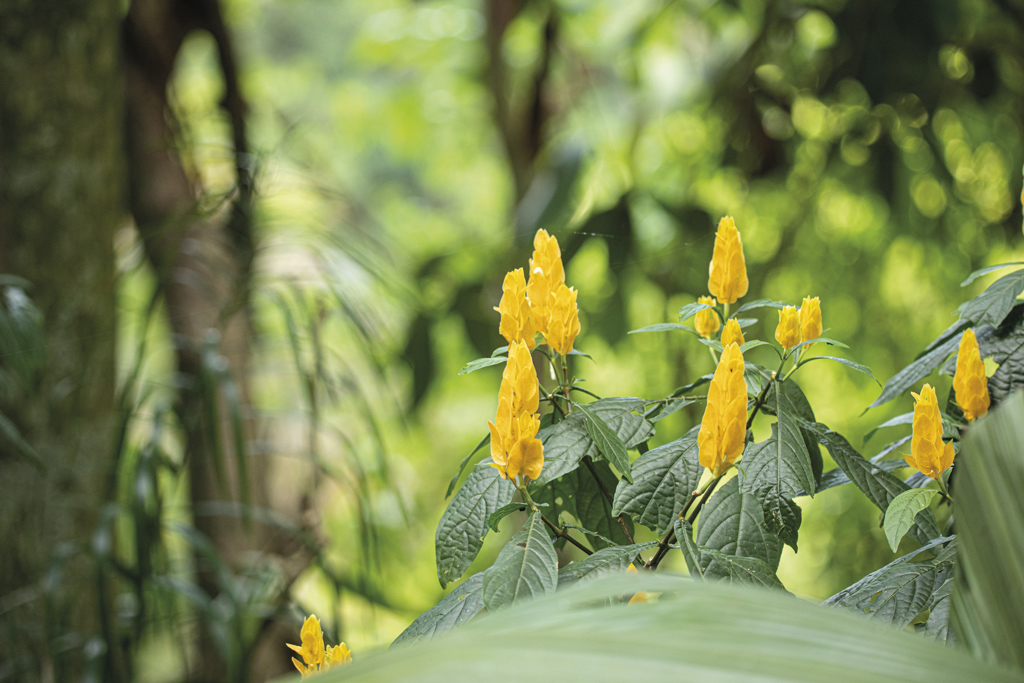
61	199
203	263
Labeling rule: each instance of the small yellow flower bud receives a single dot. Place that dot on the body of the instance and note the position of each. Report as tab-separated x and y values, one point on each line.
732	334
723	429
516	317
546	274
788	331
928	454
514	447
707	322
970	382
727	274
810	319
563	320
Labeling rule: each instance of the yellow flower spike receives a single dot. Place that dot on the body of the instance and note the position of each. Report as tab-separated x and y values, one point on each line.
810	319
312	648
928	454
732	334
546	273
723	430
707	322
970	382
563	320
727	274
788	331
514	447
337	656
516	317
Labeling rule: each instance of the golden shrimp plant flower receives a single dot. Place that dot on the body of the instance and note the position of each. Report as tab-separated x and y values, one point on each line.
810	319
515	448
563	320
727	274
546	274
723	430
316	657
788	331
732	334
707	322
928	453
970	382
516	317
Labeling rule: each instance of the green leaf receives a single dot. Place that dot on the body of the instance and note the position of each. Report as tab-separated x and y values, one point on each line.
990	269
607	560
593	507
755	343
663	479
11	433
844	361
526	567
809	342
989	511
501	513
932	357
878	485
664	327
992	306
733	523
462	528
456	608
756	378
772	471
1005	346
759	303
794	403
695	631
937	625
837	477
902	590
687	311
739	569
690	550
474	365
899	516
499	351
465	461
608	442
664	408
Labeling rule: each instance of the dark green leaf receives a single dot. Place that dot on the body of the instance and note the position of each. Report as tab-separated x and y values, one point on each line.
848	363
933	357
690	550
526	567
462	528
937	625
991	306
666	407
465	461
733	523
796	404
608	442
809	342
474	365
756	378
985	271
604	561
456	608
501	513
663	479
900	514
755	343
837	477
739	569
593	507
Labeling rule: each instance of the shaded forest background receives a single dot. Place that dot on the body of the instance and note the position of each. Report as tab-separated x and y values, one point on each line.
246	247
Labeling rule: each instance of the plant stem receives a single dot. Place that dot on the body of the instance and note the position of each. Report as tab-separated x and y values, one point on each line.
607	495
560	533
667	540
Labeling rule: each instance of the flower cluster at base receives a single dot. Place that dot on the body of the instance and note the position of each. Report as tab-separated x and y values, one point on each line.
928	453
723	430
515	448
315	656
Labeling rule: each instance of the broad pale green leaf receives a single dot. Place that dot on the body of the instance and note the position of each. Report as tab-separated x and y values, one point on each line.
608	442
902	590
687	311
695	631
607	560
664	327
474	365
990	269
843	361
733	523
932	357
989	511
878	485
526	567
456	608
462	528
899	516
991	306
663	479
465	461
501	513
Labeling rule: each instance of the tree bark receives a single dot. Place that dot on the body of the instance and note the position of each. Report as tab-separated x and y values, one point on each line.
61	199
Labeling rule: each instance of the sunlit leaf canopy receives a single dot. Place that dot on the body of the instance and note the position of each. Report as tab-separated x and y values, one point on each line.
869	152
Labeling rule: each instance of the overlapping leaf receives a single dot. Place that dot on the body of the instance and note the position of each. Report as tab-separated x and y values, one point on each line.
604	561
707	563
733	523
578	494
992	306
526	567
456	608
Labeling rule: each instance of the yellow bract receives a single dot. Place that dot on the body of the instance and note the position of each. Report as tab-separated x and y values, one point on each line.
516	318
723	430
707	322
788	331
515	449
546	274
563	320
732	334
810	319
928	453
315	657
970	382
727	275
